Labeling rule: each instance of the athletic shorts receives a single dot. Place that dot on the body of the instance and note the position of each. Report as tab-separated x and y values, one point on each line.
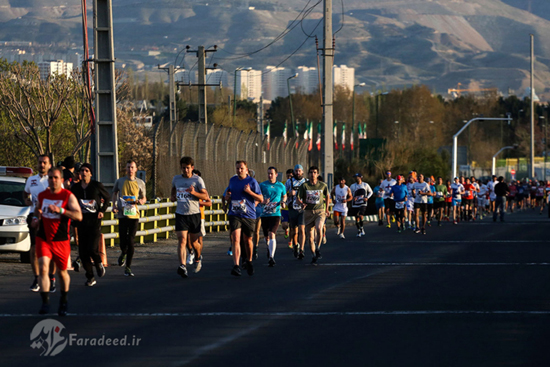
340	214
296	218
410	205
270	224
358	211
189	223
389	204
284	216
456	202
399	214
379	204
203	228
423	207
246	225
467	202
314	218
439	204
59	251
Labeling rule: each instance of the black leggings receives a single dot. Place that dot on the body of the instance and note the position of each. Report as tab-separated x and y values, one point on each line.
88	248
127	229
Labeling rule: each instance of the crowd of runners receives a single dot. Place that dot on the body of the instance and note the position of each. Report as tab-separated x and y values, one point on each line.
67	196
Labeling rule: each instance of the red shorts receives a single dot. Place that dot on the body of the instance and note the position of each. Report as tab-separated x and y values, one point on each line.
59	251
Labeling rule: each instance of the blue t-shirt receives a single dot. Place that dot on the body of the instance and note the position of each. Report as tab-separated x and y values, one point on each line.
242	205
399	192
379	194
273	192
431	198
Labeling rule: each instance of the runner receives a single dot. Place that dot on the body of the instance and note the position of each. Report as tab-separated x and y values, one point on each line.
314	197
93	200
361	193
342	195
439	199
512	196
468	199
482	199
430	181
501	190
422	191
409	205
188	190
457	190
203	204
274	194
284	211
242	194
379	192
34	186
388	202
52	216
539	196
475	184
296	212
491	192
128	192
399	193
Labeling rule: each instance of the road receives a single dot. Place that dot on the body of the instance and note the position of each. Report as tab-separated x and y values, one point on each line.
473	294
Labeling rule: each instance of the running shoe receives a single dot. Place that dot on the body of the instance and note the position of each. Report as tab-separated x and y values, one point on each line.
318	254
198	265
392	219
338	230
90	282
455	222
324	240
290	245
362	231
423	231
296	251
271	262
190	258
236	271
417	230
44	309
314	261
301	255
388	226
182	271
122	260
52	285
342	236
286	233
100	269
77	264
229	252
359	234
62	310
128	272
249	268
35	287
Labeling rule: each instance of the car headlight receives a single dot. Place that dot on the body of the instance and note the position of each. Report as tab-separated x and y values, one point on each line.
15	221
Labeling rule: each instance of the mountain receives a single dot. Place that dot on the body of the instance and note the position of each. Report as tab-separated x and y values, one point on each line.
391	43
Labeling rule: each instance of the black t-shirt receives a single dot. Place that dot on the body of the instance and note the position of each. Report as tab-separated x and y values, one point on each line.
501	189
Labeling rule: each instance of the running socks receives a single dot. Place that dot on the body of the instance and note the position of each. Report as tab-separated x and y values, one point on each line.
272	245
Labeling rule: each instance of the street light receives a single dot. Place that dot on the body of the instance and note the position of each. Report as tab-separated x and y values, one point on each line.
494	168
290	100
235	91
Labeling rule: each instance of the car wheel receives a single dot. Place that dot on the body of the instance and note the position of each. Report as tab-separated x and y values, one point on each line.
25	257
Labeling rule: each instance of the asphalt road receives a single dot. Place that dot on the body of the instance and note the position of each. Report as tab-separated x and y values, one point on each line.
473	294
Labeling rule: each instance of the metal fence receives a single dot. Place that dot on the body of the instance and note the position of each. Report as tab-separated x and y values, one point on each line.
215	151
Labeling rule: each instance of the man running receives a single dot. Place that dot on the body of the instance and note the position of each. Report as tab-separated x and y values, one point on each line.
314	197
296	212
399	194
379	202
468	199
93	200
274	194
361	192
439	199
188	190
55	209
34	186
457	191
243	192
128	192
388	202
422	191
342	195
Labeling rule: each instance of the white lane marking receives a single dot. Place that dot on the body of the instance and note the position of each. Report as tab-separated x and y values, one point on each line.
433	264
293	314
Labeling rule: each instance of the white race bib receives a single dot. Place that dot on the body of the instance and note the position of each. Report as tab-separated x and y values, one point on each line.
130	208
238	206
313	197
46	213
399	205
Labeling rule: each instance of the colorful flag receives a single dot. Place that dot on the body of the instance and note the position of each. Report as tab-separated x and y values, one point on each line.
297	135
359	131
306	130
310	136
285	133
343	136
319	127
268	134
351	137
335	135
365	131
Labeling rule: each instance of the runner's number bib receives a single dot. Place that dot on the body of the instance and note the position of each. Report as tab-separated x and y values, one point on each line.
130	208
238	206
400	205
313	197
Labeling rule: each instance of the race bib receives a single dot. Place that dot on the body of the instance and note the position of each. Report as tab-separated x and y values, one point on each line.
46	213
380	194
88	206
296	206
182	196
238	206
270	208
341	199
438	194
313	197
360	199
130	208
400	205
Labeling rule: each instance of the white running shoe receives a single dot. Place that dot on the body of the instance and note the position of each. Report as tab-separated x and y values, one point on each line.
362	232
342	236
359	234
190	258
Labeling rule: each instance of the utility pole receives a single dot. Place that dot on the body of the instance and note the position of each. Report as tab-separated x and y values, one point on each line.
171	104
201	54
532	152
104	133
328	60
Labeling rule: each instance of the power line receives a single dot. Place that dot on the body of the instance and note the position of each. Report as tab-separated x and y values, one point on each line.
341	20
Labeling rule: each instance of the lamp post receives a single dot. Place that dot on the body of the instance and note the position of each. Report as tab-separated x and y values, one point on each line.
290	100
455	137
235	91
494	167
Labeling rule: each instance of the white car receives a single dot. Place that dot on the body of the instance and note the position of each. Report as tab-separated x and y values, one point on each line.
14	232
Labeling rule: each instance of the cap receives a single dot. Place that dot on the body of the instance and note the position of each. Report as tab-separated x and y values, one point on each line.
298	166
86	165
388	171
357	175
399	177
69	162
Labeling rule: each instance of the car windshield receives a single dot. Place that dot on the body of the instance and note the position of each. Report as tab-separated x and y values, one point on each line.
11	193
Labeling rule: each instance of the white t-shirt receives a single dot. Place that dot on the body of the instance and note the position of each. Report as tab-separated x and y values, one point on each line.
386	185
491	189
361	194
340	196
457	189
420	187
34	186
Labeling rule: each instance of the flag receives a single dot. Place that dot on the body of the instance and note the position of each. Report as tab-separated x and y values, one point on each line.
267	134
359	131
285	134
297	135
351	137
365	131
343	136
305	131
319	127
310	136
335	135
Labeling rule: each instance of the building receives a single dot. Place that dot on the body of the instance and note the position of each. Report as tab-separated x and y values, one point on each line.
274	82
58	67
248	84
216	76
343	76
308	80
